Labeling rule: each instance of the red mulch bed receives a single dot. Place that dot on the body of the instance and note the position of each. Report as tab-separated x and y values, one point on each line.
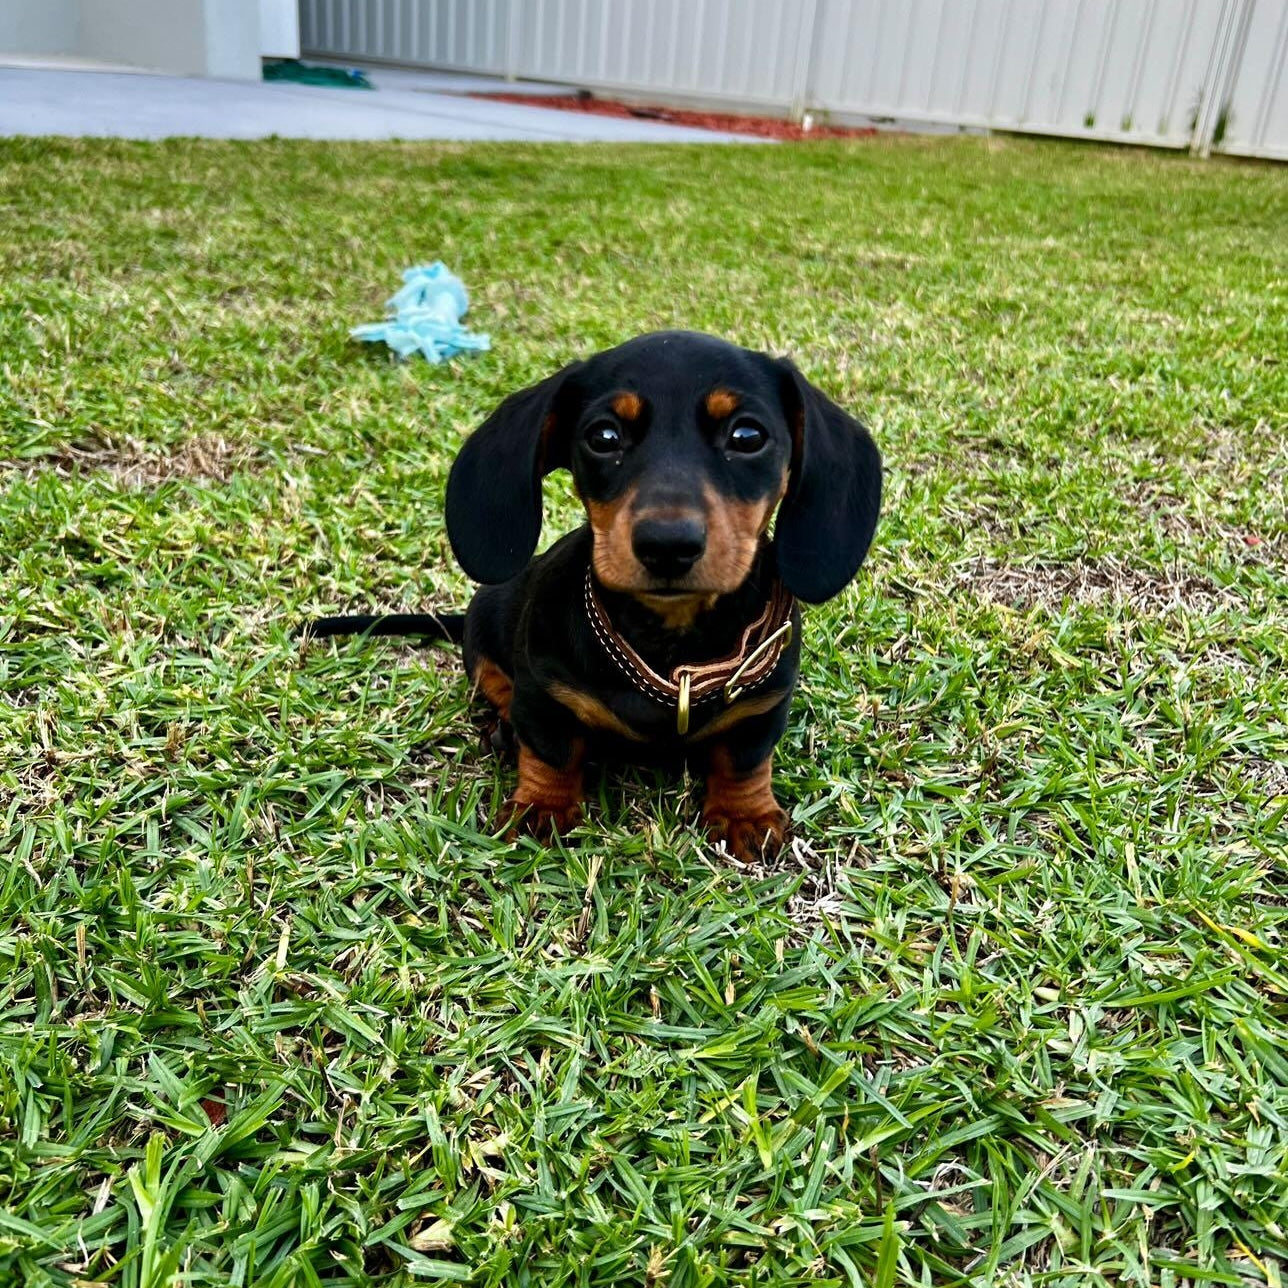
761	127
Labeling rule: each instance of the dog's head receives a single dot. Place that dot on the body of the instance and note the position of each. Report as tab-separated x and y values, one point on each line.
681	447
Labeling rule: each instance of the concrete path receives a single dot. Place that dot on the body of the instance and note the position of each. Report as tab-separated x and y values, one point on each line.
404	105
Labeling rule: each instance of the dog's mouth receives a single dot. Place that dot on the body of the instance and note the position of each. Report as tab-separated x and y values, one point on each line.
643	585
678	607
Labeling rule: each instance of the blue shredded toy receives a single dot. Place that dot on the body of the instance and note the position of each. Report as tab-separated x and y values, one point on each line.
426	315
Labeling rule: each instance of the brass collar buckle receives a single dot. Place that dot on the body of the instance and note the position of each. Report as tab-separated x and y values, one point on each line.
732	689
779	639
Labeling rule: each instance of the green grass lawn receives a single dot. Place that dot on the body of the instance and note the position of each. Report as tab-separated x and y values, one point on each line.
276	1007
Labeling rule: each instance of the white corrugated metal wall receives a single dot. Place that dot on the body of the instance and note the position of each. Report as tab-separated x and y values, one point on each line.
1172	73
711	49
1255	121
1129	70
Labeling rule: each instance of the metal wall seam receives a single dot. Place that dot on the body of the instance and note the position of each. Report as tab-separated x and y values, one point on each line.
1217	83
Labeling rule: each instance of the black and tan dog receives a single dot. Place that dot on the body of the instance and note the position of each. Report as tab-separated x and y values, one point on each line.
667	626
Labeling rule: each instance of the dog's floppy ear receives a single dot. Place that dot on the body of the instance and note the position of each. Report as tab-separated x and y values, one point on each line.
494	489
827	519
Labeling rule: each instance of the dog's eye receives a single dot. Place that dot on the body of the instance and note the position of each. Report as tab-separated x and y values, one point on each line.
747	437
604	438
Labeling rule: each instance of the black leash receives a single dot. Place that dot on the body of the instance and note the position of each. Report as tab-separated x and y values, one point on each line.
428	626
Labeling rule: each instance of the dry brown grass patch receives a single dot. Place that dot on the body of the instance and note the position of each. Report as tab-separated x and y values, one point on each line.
1186	524
1269	777
1092	582
207	458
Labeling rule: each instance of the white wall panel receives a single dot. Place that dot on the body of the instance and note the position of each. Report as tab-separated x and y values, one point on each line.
465	34
1120	69
743	50
1166	72
1256	117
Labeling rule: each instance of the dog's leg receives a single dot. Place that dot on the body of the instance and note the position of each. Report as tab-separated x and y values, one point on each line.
497	687
552	750
494	685
547	798
740	808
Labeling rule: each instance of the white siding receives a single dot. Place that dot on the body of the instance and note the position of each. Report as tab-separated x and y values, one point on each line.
1173	73
1106	69
1256	123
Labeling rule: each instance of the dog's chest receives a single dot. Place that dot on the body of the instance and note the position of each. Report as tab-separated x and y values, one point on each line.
623	712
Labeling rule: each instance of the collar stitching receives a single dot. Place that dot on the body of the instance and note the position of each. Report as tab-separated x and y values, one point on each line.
707	679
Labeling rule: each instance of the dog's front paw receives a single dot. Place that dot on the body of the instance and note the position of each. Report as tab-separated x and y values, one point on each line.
496	735
540	819
749	837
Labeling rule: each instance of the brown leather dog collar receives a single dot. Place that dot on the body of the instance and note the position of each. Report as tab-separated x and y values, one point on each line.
757	655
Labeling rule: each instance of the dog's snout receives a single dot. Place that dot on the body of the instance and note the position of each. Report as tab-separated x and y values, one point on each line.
669	547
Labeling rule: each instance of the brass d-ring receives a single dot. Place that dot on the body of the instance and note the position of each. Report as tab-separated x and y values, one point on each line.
682	704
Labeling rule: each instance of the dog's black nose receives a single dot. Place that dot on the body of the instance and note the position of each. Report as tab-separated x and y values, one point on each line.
669	547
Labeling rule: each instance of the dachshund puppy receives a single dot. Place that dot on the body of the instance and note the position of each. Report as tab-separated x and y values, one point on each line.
667	626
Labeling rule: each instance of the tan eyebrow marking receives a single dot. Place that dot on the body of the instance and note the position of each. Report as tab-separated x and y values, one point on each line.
628	406
721	403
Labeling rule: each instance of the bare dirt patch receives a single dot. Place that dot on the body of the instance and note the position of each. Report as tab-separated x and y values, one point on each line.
760	127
